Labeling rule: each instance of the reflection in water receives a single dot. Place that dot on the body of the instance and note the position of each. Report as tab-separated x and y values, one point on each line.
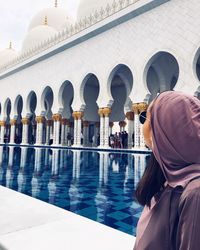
25	173
97	185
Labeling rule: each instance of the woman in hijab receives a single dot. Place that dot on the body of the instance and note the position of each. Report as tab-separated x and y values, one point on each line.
170	187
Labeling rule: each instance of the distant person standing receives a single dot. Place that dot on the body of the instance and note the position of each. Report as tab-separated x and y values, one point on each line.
112	141
69	139
98	139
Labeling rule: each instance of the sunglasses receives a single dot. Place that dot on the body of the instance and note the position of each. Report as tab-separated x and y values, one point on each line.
143	117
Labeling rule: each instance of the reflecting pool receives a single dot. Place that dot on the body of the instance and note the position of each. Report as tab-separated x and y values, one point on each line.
94	184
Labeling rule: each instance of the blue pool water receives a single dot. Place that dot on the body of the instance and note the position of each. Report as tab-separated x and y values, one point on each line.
97	185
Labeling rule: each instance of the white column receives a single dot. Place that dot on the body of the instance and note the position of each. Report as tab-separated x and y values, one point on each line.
25	122
47	134
130	133
142	108
107	112
58	133
142	142
75	131
2	123
54	132
77	127
25	134
136	126
56	136
137	131
106	132
79	132
39	132
102	125
12	132
63	128
130	125
48	131
64	132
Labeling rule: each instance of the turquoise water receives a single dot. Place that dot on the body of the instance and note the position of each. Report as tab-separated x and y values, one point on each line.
97	185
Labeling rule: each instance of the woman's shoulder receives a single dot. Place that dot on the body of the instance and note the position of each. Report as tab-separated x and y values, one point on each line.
191	190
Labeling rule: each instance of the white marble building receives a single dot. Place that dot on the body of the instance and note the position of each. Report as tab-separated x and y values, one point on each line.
104	67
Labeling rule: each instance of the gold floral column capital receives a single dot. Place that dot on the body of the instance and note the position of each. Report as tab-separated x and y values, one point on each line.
142	107
25	121
135	108
130	116
74	114
2	123
79	114
40	119
56	117
100	112
13	122
107	112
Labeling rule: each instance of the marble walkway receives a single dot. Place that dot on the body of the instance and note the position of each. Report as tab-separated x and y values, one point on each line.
30	224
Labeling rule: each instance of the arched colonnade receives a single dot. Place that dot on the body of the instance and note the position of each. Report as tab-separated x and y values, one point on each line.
91	125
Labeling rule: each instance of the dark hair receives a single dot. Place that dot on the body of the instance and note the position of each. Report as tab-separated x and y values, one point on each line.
151	182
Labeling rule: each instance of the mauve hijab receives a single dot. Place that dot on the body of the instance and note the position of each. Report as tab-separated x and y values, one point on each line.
175	122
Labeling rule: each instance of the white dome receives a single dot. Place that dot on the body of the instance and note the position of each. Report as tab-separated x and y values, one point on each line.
57	18
37	35
87	7
6	56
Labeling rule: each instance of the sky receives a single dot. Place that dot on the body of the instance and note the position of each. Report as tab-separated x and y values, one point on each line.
16	15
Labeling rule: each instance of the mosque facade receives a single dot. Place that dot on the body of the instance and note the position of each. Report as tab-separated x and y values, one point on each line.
78	77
